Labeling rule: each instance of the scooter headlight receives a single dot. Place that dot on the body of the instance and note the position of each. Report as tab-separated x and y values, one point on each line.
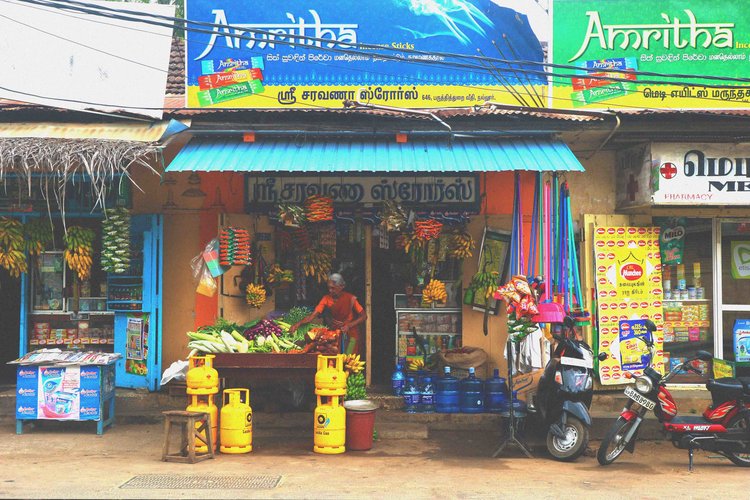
643	385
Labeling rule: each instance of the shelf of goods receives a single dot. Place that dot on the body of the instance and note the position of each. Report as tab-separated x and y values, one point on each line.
124	293
440	326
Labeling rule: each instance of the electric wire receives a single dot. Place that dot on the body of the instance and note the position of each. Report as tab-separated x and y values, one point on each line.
491	70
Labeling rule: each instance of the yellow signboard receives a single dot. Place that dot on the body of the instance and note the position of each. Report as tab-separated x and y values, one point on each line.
629	290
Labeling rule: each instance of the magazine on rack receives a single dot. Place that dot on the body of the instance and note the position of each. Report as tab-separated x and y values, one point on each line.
59	357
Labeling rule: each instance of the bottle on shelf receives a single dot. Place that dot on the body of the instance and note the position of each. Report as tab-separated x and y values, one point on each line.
397	380
426	395
411	395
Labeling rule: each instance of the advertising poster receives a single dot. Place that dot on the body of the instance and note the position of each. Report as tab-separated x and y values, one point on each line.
672	240
629	291
740	260
741	340
301	54
136	346
58	392
613	44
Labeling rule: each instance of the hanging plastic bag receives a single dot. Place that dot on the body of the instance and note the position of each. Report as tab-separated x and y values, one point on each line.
211	258
177	371
206	284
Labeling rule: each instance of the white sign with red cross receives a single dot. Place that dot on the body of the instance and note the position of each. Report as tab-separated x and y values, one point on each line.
700	174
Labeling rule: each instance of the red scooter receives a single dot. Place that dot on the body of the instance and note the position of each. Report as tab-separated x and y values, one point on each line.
723	428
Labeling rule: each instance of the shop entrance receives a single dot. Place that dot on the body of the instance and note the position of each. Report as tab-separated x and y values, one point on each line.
10	312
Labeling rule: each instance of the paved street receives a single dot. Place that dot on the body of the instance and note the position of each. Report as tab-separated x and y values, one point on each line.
60	460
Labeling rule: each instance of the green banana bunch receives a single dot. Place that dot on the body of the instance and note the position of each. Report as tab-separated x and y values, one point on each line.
116	241
485	283
38	234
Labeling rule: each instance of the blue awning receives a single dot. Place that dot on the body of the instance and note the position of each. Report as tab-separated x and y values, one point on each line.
360	155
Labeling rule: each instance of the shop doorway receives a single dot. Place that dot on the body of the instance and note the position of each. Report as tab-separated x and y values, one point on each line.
390	272
10	314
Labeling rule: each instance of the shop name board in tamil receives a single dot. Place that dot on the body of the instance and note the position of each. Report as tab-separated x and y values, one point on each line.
697	164
454	190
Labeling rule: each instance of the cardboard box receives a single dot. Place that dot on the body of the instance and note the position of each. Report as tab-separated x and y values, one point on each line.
527	383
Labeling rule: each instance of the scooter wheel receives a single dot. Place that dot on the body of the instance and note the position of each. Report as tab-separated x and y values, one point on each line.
573	445
741	459
614	443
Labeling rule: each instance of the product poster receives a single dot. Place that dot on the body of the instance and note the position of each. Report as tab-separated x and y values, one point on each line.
629	291
741	340
740	260
58	392
136	346
723	368
414	54
619	46
672	240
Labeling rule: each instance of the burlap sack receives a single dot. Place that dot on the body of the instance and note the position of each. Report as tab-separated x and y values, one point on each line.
467	358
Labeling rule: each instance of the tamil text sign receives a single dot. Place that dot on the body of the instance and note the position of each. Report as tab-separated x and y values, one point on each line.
302	54
626	52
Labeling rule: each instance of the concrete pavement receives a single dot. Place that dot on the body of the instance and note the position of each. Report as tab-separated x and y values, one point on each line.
67	460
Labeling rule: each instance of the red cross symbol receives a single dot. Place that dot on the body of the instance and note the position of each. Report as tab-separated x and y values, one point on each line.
668	170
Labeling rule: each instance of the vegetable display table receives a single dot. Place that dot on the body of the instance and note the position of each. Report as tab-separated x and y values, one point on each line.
66	392
266	366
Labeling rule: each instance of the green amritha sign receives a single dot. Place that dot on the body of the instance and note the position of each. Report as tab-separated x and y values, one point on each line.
613	43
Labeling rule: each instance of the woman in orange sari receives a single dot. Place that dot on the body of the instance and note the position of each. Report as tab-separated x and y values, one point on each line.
343	308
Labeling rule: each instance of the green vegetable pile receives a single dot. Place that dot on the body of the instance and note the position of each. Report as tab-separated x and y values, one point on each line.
355	386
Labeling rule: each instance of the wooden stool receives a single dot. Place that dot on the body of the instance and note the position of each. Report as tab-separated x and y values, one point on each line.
187	420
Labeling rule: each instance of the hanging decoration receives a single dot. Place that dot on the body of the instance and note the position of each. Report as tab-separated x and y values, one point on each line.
291	215
427	229
116	241
521	298
79	249
318	208
394	216
12	245
234	247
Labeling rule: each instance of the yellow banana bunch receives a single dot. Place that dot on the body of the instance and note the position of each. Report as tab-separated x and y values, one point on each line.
415	364
255	295
79	250
462	245
12	244
317	263
353	364
434	292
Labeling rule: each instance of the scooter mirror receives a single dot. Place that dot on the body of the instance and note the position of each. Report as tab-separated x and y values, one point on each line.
603	356
650	326
568	322
704	355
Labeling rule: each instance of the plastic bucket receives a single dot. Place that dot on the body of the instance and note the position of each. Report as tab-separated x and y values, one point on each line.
360	424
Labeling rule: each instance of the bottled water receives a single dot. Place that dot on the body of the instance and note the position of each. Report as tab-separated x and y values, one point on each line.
427	395
411	395
397	380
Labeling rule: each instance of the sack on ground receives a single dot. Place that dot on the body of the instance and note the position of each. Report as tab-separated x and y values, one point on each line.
462	358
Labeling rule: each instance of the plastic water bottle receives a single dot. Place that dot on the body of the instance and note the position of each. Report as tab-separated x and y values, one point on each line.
472	394
496	393
447	393
426	395
411	395
397	380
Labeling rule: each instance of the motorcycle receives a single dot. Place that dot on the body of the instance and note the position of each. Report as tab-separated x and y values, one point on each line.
564	394
723	428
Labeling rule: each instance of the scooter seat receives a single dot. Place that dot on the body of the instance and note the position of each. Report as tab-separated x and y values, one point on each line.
725	385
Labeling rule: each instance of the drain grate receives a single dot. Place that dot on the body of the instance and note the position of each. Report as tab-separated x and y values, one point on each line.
173	482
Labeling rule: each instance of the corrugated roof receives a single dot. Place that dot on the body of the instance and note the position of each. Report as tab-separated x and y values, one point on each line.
358	155
141	131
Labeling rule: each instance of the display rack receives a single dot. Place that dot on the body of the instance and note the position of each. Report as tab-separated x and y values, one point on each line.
439	324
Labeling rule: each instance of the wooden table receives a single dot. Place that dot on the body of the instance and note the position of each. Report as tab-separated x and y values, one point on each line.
263	366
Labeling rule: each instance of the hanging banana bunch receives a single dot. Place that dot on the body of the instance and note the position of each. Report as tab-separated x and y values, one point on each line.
484	284
255	295
38	234
116	241
12	244
462	245
434	292
79	249
317	264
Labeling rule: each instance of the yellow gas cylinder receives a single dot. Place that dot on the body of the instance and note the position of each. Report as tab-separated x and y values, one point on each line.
330	379
202	378
236	429
330	426
200	402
